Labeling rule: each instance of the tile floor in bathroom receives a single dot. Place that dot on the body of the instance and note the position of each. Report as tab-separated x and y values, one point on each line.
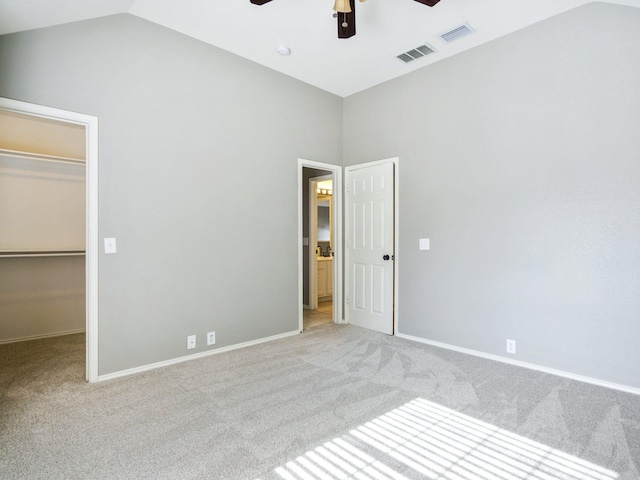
322	315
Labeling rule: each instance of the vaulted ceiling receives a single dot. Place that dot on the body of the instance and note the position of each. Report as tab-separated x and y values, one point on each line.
385	29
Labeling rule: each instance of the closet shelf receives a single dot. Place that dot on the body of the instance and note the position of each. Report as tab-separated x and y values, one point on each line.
42	157
40	253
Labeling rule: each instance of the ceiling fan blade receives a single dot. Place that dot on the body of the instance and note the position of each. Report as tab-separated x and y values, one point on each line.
349	19
259	2
431	3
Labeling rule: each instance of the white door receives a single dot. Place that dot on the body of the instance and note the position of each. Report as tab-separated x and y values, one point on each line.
370	232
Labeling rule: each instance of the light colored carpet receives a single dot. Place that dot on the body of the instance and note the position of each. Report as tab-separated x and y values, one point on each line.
334	402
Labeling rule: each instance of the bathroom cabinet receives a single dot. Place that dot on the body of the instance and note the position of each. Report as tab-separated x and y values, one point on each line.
325	277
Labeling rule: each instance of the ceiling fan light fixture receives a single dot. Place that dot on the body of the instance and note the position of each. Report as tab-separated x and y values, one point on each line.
342	6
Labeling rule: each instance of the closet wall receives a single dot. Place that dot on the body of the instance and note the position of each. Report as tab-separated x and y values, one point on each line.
42	227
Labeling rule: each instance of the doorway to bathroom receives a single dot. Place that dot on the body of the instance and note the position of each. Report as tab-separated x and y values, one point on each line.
320	244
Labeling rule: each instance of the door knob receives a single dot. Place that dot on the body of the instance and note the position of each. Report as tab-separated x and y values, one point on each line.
385	257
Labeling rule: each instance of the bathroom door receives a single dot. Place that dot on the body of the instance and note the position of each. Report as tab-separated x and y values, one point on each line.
369	219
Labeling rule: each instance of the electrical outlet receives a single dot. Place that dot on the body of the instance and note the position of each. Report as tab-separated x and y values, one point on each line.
211	338
511	346
191	342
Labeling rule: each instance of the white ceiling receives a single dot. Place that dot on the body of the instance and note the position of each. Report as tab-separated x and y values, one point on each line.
385	28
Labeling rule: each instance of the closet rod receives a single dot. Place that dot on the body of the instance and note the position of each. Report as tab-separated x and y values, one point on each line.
42	157
40	253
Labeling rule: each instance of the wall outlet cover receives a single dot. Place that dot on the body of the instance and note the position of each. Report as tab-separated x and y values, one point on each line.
511	346
211	338
191	342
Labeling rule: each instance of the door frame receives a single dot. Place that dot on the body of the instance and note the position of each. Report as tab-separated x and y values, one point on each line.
396	230
336	172
313	236
91	214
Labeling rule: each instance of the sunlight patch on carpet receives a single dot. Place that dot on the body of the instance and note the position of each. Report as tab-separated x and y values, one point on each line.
437	443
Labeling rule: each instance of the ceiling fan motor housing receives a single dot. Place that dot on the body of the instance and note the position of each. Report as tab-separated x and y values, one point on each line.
347	21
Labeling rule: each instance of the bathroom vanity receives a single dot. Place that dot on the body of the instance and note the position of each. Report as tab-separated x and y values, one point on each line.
325	277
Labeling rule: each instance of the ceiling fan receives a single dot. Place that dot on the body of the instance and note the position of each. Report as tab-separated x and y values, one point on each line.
346	14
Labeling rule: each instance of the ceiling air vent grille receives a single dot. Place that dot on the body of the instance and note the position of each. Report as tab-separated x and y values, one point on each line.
456	33
415	53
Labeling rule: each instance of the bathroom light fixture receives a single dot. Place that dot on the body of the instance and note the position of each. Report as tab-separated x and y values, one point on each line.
324	191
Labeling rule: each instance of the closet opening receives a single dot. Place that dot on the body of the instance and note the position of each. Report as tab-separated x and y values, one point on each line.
48	226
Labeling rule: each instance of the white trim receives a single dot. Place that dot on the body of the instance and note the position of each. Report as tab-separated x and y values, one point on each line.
186	358
519	363
311	241
313	238
396	227
338	240
38	337
336	171
91	174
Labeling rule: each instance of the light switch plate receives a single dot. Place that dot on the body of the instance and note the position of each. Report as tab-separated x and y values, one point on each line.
109	245
425	244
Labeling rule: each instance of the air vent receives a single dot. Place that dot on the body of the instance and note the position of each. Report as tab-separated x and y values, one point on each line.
415	53
457	33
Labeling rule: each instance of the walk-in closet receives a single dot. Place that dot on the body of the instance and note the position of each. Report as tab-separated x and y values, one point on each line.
42	227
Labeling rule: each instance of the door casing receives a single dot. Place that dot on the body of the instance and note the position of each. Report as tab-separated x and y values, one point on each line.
91	211
313	235
336	171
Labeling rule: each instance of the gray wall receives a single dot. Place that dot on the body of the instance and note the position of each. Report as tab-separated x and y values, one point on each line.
198	178
520	160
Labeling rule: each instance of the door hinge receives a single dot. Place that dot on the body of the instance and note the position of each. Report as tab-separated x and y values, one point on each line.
348	300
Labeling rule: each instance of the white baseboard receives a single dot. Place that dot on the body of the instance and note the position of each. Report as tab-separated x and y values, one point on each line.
38	337
531	366
173	361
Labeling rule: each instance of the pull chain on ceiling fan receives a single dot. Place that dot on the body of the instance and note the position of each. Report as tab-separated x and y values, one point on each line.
347	10
346	14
